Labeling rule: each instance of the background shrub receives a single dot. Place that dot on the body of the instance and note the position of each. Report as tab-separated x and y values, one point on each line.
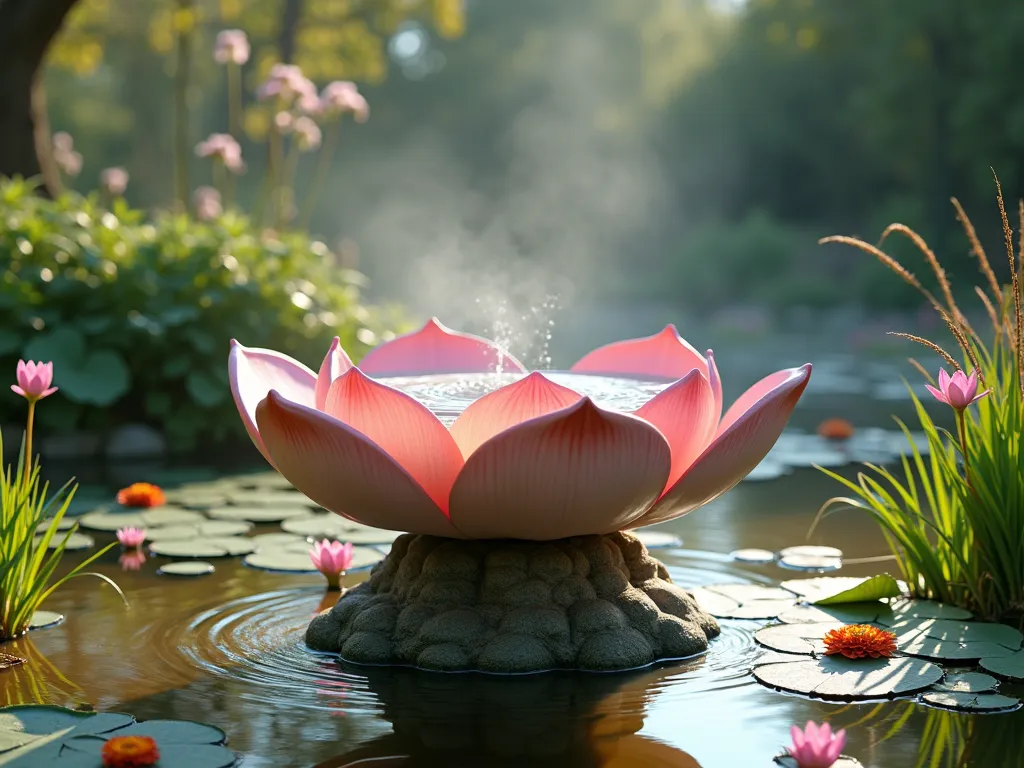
137	314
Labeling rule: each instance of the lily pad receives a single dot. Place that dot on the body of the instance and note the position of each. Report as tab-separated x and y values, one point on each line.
198	499
224	527
270	498
1005	667
166	516
837	590
927	609
960	632
743	601
172	533
187	548
752	555
85	754
654	539
258	514
810	563
338	529
112	521
66	523
42	720
276	540
807	550
769	469
713	602
75	542
187	568
176	732
745	593
277	560
269	480
967	682
836	677
806	639
235	545
971	702
843	762
45	619
848	613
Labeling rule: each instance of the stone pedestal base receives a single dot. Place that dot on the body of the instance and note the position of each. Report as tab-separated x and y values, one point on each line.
591	602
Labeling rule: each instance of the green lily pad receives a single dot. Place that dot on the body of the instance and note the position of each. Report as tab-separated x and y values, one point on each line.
198	499
743	601
971	702
657	539
806	639
848	613
752	555
172	533
176	732
1005	667
182	476
191	755
843	762
927	609
960	632
112	521
167	516
810	563
337	528
967	682
270	498
836	677
745	593
44	619
277	540
258	514
75	542
13	739
187	568
66	523
224	527
277	560
812	551
950	650
187	548
265	480
235	545
42	720
872	588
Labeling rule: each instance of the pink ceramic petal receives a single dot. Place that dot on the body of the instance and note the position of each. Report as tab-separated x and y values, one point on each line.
685	414
528	398
335	363
716	385
663	355
436	349
577	471
344	471
733	453
254	372
747	400
402	427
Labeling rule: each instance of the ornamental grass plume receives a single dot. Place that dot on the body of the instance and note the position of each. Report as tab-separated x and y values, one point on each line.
953	517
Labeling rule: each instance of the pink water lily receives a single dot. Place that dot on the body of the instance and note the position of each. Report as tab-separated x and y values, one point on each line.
816	746
34	380
532	460
131	537
332	559
959	390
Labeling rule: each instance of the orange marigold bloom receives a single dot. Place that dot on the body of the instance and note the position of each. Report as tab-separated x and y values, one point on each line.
141	495
130	752
856	641
836	429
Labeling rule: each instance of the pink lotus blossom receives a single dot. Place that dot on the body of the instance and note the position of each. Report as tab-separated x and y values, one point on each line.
342	96
207	203
531	460
307	134
223	147
132	560
131	537
285	83
232	46
816	746
957	391
114	181
332	559
34	380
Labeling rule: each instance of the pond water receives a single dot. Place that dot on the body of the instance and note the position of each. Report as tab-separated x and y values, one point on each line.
227	649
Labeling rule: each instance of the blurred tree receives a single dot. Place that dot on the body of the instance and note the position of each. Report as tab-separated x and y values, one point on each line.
27	27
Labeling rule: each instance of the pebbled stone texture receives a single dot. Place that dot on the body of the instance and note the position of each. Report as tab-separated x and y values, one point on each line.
590	602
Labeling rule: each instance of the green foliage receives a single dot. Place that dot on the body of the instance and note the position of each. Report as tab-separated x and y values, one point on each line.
27	569
954	520
137	315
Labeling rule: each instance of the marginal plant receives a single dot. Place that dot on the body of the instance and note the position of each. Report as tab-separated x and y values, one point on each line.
954	518
27	566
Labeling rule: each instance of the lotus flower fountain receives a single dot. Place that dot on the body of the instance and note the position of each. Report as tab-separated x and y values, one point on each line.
516	557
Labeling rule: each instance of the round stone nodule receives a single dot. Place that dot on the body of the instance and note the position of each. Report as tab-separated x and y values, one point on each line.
597	603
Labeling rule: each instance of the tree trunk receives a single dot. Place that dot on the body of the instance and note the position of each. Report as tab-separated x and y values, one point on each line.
290	18
27	27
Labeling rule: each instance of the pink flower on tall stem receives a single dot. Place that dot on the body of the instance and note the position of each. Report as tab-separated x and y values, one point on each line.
206	202
332	559
232	47
532	459
114	181
307	134
223	147
816	746
131	538
343	96
958	391
34	380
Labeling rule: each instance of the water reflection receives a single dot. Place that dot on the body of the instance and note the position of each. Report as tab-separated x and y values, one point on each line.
565	719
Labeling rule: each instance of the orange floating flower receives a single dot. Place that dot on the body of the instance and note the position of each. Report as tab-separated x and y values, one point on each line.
130	752
141	495
836	429
857	641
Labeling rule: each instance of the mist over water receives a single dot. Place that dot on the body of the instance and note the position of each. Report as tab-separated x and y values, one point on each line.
550	234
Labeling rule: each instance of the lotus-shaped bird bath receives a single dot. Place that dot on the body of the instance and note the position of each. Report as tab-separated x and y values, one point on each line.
515	559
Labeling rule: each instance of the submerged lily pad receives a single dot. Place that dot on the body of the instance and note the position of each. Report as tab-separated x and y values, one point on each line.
44	619
843	762
836	677
743	601
187	568
967	682
655	539
752	555
971	702
1005	667
187	548
258	514
810	563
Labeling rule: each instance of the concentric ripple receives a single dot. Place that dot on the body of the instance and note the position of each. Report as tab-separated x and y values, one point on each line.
255	644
